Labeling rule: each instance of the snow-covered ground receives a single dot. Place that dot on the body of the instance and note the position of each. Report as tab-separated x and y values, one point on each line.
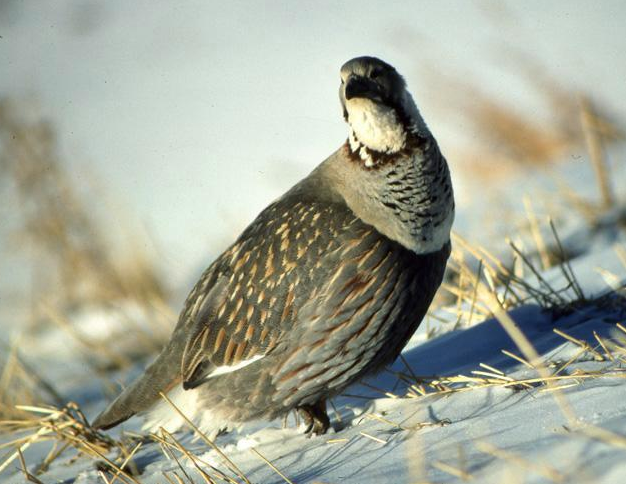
491	434
156	97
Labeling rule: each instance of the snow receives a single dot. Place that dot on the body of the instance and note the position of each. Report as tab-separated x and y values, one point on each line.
160	114
421	434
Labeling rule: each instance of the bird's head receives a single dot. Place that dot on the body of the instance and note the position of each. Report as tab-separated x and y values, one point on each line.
380	111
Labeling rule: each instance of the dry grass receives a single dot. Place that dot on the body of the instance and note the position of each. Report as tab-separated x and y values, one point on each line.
21	384
65	244
506	139
510	139
552	379
476	277
484	286
75	268
67	429
479	285
59	223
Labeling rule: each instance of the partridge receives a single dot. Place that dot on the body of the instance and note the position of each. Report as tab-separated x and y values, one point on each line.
324	287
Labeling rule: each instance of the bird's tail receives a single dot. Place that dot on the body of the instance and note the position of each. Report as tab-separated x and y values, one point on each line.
144	392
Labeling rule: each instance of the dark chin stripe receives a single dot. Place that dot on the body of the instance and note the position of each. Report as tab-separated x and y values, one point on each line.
401	113
407	123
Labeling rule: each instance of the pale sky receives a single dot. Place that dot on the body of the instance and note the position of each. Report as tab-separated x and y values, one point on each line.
194	115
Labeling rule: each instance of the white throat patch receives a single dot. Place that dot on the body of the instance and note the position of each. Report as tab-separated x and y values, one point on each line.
376	126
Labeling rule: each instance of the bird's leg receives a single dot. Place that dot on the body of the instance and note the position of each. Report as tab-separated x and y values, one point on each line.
315	418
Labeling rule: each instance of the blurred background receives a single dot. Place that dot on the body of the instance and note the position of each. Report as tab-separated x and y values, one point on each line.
137	139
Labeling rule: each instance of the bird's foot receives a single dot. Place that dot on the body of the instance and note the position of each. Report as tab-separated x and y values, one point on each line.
315	418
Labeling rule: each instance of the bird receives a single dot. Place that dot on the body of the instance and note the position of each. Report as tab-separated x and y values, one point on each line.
323	288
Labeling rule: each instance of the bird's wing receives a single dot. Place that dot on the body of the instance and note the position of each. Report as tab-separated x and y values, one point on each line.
247	299
367	308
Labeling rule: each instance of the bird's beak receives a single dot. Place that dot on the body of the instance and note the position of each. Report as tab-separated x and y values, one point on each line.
362	87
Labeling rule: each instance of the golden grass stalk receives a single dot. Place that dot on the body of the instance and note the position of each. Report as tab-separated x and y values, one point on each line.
272	466
583	344
67	426
169	443
229	463
593	140
607	353
371	437
194	460
337	441
453	471
542	248
20	383
29	477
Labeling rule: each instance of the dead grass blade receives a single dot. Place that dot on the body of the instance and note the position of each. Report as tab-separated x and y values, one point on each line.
593	140
29	477
65	426
453	471
20	383
169	443
229	463
272	466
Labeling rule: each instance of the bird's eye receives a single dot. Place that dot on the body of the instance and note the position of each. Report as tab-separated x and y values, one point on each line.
342	80
376	73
